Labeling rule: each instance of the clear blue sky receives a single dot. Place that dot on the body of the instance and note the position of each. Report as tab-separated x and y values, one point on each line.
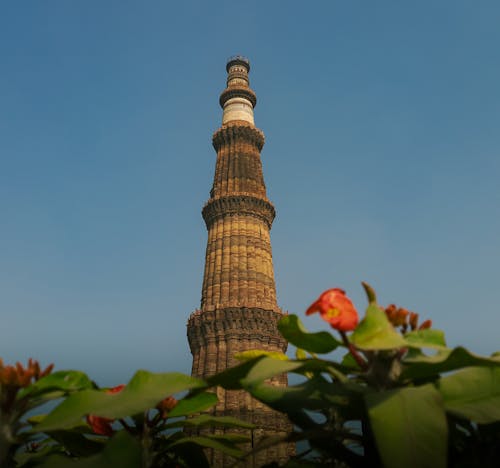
382	158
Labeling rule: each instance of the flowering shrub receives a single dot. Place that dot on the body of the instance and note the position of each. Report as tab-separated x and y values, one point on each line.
399	397
128	426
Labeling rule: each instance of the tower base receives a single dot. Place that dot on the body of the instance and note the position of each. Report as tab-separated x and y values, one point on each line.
214	338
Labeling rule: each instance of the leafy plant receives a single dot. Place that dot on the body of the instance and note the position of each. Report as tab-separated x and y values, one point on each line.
133	425
398	398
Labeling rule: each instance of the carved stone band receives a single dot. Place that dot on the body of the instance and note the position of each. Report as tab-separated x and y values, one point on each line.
238	205
228	134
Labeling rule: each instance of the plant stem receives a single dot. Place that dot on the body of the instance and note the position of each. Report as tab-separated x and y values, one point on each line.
357	357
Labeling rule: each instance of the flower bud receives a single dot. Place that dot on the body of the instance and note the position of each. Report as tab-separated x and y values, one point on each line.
425	325
166	405
413	320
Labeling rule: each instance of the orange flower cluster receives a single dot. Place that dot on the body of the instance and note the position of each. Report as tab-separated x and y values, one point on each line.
19	377
400	317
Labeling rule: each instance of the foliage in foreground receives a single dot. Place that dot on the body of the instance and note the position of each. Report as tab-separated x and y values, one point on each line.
399	397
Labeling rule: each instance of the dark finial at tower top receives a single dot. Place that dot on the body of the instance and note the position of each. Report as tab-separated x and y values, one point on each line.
238	60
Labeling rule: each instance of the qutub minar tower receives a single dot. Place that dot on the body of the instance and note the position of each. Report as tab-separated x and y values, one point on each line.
238	309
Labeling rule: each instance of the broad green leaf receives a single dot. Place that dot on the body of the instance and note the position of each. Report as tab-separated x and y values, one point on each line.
216	443
427	338
206	420
64	381
315	366
473	393
375	332
295	333
121	451
144	391
410	428
253	353
193	404
76	443
314	394
257	370
230	379
423	366
267	368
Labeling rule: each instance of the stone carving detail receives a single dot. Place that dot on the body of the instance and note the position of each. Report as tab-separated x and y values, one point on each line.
238	204
241	132
254	324
231	92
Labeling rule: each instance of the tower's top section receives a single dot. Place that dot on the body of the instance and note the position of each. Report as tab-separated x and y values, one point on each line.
238	59
238	99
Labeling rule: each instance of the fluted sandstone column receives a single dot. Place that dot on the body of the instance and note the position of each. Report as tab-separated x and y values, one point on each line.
238	300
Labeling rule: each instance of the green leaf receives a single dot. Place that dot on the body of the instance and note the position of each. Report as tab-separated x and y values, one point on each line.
206	420
253	353
349	362
193	404
76	443
375	332
267	368
317	366
473	393
295	333
370	293
230	379
145	390
64	381
410	428
427	338
423	366
217	443
300	354
257	370
186	455
314	394
121	451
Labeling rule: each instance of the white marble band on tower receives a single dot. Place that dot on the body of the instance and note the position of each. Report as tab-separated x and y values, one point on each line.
237	109
238	100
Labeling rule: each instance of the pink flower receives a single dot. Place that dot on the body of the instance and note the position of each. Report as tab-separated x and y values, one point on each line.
336	309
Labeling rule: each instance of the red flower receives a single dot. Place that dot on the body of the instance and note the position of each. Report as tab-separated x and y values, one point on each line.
336	309
100	425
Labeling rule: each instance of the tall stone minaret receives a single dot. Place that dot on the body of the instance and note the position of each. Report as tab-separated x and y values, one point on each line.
238	310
